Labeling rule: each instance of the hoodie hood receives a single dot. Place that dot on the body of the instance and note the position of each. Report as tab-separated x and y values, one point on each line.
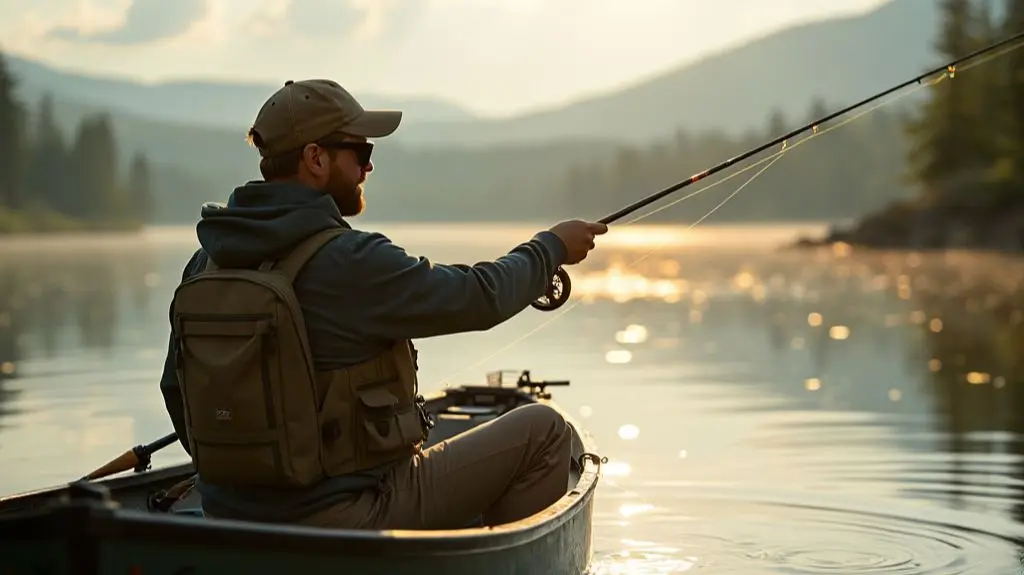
263	221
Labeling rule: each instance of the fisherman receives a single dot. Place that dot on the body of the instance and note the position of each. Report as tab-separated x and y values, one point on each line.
362	299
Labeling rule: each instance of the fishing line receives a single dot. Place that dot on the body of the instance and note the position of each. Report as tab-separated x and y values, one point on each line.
922	82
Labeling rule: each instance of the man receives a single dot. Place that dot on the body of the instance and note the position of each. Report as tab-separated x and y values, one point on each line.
360	294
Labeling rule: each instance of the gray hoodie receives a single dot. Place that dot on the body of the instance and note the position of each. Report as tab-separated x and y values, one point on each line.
359	294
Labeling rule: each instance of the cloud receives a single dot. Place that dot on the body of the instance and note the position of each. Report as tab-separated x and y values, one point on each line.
336	21
337	18
144	21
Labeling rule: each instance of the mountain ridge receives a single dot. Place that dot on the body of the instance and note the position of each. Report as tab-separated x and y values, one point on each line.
827	59
223	102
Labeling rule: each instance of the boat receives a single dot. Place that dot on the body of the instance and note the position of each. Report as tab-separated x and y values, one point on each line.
150	521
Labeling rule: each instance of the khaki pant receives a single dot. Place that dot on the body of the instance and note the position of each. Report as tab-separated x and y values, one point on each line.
503	470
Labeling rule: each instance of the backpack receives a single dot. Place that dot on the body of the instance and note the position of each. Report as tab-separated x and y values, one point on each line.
246	373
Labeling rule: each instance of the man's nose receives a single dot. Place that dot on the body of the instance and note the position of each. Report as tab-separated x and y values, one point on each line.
369	166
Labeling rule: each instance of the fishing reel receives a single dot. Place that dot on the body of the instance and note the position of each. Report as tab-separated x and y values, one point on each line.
557	293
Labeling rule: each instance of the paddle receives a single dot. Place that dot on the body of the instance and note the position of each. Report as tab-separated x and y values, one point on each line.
137	458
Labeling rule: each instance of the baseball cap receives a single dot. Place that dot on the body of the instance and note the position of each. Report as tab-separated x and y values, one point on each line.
305	111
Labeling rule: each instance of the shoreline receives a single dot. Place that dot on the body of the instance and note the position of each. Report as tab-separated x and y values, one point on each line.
915	226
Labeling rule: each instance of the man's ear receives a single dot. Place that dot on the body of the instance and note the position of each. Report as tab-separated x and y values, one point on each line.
315	158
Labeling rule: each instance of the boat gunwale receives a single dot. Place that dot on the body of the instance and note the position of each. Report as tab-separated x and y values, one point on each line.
130	524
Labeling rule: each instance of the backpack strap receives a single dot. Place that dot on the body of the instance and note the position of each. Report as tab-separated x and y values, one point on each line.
293	262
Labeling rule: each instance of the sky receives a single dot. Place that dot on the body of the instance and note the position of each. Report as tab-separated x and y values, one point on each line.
494	57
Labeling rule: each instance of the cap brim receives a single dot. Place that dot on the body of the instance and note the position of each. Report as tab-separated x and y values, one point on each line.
374	123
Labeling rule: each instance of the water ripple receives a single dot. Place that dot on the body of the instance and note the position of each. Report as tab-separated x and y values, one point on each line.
728	536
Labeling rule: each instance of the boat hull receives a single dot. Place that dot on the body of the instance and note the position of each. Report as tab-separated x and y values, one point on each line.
111	526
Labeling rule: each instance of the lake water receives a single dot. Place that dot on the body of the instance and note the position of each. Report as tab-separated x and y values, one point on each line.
764	412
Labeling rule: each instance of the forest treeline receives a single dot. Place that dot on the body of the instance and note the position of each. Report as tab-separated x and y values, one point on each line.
958	141
967	141
48	183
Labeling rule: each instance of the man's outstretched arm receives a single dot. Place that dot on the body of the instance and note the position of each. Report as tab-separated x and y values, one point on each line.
395	295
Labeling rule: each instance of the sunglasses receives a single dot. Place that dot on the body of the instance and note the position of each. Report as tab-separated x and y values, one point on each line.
362	150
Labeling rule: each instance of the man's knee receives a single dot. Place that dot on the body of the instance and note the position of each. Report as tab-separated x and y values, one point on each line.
544	420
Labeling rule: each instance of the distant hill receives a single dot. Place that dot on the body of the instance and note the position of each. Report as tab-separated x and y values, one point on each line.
839	60
223	105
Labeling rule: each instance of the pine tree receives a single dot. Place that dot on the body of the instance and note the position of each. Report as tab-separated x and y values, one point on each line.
777	125
950	147
139	188
817	110
12	143
94	161
47	178
1014	102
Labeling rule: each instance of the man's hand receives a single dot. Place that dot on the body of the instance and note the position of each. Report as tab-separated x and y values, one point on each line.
578	237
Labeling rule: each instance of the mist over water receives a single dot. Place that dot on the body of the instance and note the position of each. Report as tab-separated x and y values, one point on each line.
763	412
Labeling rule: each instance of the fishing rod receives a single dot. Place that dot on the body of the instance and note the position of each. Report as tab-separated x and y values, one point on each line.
137	458
559	288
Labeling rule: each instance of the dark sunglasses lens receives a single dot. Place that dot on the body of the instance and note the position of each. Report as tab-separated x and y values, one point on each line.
362	150
363	153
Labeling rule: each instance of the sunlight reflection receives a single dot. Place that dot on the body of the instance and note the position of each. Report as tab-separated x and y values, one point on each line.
839	332
617	469
904	291
743	280
647	236
618	356
632	509
629	431
586	411
812	384
622	286
632	334
647	561
977	378
814	319
670	268
841	249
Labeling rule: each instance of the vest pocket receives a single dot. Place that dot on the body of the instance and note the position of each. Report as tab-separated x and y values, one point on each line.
387	425
337	431
228	459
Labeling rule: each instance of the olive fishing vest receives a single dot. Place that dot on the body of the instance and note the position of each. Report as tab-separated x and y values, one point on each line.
256	411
